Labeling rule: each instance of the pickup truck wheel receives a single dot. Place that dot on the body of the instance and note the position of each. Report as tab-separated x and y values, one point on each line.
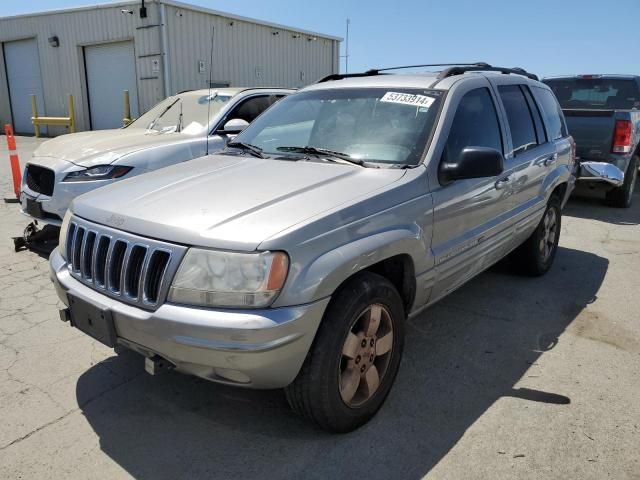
355	357
621	197
535	256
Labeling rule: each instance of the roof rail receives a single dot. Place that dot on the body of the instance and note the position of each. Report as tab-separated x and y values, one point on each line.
376	71
455	69
450	72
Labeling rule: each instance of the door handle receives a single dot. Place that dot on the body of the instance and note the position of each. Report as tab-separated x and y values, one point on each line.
550	160
502	183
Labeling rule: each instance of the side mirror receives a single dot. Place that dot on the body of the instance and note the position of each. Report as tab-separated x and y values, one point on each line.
233	127
473	162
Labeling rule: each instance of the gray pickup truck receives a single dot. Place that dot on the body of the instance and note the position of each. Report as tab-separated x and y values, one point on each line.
293	258
603	116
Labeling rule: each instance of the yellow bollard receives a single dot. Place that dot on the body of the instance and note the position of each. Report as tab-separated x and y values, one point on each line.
127	109
34	112
72	116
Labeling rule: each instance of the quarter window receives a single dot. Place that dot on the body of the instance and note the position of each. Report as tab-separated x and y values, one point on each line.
475	124
552	113
523	133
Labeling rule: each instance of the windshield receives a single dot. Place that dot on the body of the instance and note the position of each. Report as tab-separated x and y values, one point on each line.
385	125
596	93
165	116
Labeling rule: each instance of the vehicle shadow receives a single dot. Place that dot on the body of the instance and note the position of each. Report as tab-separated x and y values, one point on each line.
461	356
590	206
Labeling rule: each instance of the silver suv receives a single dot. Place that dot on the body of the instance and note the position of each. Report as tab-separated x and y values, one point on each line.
294	258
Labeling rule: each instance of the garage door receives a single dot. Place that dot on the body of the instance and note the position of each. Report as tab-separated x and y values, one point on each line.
23	73
110	70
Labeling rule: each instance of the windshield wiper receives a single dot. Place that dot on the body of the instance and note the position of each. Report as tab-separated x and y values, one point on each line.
247	147
329	154
167	108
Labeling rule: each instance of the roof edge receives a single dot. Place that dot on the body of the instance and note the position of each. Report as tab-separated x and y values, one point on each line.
176	4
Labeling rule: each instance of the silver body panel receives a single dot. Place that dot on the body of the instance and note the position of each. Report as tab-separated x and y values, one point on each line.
333	220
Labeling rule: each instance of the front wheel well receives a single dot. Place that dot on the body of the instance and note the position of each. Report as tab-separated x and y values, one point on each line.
399	270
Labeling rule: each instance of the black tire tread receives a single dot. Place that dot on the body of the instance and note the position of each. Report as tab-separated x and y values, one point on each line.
299	393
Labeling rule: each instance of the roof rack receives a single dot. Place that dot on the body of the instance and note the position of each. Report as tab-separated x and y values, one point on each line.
450	72
454	69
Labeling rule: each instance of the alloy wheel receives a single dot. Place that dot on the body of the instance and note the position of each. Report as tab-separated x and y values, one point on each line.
365	355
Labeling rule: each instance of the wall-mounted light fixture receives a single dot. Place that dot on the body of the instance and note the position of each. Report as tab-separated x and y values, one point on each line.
275	33
312	39
295	35
54	41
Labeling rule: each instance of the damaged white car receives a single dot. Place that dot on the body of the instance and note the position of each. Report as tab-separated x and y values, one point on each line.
173	131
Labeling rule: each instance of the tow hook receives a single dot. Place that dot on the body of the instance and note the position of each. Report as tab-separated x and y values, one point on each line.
156	365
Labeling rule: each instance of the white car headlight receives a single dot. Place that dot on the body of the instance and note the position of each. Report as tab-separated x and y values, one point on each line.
228	279
64	228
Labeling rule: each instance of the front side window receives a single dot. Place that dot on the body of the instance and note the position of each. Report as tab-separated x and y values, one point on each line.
377	125
475	124
552	113
523	133
250	108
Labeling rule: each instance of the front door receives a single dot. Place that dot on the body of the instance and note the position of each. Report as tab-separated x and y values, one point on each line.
471	221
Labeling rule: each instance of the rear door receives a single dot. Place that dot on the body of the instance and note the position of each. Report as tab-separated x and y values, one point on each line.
472	226
531	156
23	73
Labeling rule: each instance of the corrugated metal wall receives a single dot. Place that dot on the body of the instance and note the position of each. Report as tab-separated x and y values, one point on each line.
245	53
63	67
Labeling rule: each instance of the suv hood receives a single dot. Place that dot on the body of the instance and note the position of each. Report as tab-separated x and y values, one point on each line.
102	147
229	202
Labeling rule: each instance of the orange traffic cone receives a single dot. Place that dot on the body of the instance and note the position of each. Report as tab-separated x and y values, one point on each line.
13	159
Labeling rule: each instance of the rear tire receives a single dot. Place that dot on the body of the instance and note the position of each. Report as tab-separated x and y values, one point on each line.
621	197
354	358
535	256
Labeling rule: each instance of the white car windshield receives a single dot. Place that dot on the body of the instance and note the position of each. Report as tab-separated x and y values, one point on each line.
186	113
376	125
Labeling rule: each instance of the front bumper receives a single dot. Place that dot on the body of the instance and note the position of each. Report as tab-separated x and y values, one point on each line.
251	348
55	206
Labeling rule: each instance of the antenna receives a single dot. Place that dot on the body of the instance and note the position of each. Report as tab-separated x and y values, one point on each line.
213	30
346	49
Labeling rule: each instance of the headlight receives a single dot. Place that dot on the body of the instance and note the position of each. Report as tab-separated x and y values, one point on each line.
62	239
228	279
101	172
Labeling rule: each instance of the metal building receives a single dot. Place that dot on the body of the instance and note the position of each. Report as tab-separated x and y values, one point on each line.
152	49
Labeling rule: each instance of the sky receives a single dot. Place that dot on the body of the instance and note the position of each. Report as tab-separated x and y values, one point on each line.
546	37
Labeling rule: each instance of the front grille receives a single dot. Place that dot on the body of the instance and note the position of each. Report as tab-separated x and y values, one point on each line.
40	179
134	269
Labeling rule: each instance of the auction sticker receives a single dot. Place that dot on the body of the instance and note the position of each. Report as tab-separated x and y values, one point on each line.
408	99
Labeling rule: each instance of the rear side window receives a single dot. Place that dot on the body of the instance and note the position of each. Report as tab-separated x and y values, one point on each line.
523	132
552	113
475	125
252	107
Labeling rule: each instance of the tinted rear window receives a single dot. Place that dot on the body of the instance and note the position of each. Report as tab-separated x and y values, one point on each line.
596	93
523	134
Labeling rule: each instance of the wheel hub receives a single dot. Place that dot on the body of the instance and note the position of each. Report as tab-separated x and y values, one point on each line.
365	355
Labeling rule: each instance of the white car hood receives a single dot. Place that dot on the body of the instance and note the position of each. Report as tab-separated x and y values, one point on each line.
102	147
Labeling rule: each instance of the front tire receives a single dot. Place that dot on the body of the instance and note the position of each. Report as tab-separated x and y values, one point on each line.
621	197
355	356
535	256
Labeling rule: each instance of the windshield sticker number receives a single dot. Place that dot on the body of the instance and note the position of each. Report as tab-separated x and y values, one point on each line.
408	99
